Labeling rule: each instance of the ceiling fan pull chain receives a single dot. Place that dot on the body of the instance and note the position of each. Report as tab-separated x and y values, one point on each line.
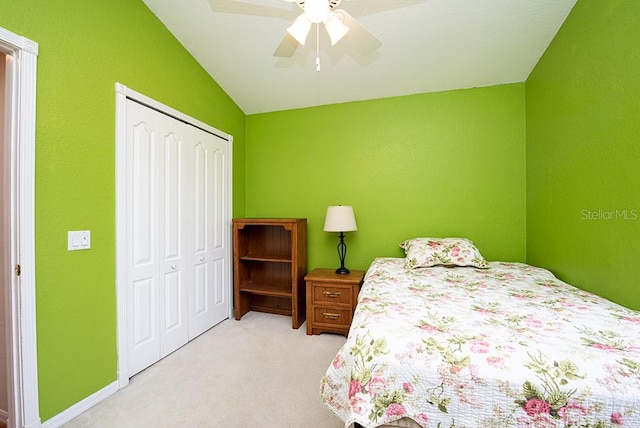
318	48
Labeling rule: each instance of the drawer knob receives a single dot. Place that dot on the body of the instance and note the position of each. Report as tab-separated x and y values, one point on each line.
331	316
332	294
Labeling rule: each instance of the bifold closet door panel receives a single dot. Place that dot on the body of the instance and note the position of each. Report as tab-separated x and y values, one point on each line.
157	277
142	231
174	216
209	302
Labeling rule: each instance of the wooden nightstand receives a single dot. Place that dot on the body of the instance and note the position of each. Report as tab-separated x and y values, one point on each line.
331	300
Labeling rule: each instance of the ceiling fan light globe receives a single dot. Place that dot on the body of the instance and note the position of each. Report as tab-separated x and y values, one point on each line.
335	28
317	11
300	29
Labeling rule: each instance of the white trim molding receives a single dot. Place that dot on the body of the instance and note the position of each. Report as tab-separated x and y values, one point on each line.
81	407
21	305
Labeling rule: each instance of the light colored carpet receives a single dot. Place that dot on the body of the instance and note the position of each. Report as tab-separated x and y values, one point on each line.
256	372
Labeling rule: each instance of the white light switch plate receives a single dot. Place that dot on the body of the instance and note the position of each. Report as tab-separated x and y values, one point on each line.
79	240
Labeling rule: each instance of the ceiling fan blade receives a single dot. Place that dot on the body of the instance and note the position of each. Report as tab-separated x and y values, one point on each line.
300	3
287	47
359	36
238	7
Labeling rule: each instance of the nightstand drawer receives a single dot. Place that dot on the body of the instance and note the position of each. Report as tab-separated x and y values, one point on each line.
332	294
332	316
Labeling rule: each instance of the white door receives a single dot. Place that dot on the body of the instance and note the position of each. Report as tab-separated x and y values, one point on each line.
210	301
143	235
177	251
173	215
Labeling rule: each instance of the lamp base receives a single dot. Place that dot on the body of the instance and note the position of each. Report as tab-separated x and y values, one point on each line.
342	251
343	271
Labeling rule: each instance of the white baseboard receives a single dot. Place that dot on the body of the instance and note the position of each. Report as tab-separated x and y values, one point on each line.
81	407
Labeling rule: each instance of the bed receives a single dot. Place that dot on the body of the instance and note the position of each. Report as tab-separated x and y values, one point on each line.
442	338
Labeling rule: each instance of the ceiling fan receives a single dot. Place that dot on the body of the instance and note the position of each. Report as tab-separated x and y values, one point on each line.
337	22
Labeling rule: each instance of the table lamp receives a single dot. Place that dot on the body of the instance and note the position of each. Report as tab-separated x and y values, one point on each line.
340	218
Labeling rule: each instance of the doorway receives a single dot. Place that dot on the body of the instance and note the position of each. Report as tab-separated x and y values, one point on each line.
18	229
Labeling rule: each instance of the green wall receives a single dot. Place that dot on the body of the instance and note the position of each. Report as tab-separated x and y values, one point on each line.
583	152
439	164
85	47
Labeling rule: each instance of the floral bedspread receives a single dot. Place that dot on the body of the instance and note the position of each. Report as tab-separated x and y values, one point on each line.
508	346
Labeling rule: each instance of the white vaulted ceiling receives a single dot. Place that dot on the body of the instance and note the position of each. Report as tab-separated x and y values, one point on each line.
428	46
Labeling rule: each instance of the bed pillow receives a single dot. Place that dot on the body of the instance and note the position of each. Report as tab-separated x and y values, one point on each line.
427	252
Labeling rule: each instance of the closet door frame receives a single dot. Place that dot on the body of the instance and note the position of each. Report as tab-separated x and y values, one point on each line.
123	93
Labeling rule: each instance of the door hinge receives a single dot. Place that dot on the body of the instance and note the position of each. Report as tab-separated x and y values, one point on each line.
17	270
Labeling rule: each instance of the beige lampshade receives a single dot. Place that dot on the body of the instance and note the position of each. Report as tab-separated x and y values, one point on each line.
340	218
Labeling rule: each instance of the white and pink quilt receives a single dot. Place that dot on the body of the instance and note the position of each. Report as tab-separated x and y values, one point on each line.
507	346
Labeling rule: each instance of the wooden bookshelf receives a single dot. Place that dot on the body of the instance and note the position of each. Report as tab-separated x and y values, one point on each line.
269	263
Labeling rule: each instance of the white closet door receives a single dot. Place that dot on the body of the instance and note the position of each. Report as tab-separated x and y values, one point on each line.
143	280
173	215
177	200
209	301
